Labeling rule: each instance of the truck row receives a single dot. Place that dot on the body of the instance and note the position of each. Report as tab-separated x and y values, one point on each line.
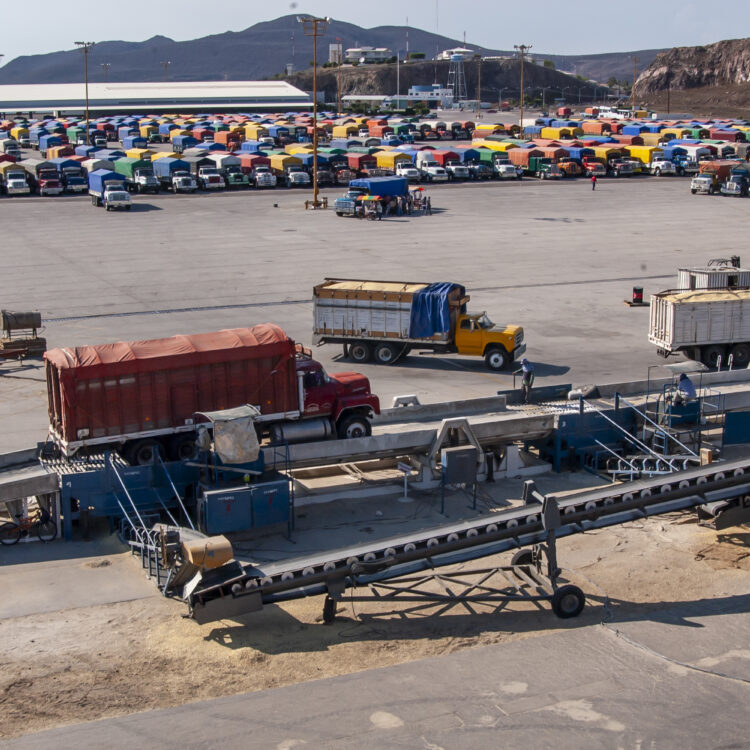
241	151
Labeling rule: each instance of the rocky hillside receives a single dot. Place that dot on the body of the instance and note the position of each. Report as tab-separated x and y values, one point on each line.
723	63
500	78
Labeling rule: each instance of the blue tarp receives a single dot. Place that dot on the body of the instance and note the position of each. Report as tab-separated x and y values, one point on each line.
430	310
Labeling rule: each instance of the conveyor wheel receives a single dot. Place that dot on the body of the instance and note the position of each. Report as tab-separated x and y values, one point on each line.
568	601
329	610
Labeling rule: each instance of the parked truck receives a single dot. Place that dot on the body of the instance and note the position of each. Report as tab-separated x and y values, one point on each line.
154	389
711	176
704	324
737	183
14	179
108	189
71	175
174	175
138	174
385	187
43	176
382	321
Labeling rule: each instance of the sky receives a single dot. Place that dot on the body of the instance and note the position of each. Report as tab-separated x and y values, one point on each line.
552	26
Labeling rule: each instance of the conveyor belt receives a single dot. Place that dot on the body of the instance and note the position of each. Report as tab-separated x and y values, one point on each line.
238	589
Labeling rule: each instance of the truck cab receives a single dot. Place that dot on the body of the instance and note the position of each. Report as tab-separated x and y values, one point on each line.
660	166
209	178
736	185
570	168
344	399
433	172
705	183
404	169
183	182
116	198
504	170
145	182
16	182
263	177
594	167
477	335
296	176
236	178
621	168
457	171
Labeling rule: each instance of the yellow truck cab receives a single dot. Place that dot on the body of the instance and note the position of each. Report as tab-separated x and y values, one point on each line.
477	335
382	321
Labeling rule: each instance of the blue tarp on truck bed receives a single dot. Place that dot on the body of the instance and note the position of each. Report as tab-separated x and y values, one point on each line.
430	310
385	187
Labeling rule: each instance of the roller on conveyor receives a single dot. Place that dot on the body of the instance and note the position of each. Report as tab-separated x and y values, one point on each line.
238	589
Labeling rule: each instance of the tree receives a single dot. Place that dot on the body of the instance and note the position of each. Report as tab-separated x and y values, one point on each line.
416	55
421	108
549	64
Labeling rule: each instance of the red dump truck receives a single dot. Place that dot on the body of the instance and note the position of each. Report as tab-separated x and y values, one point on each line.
142	396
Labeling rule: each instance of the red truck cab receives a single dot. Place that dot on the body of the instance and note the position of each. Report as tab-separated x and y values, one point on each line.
594	167
344	397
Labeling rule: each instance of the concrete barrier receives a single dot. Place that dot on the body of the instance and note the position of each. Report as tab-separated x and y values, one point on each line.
444	410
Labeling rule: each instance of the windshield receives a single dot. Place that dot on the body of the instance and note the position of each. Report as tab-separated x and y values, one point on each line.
484	322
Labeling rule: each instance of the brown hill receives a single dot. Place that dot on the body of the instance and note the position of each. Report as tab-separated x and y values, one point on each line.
723	63
500	79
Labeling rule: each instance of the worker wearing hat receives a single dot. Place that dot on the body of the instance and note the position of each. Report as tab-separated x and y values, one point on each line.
527	378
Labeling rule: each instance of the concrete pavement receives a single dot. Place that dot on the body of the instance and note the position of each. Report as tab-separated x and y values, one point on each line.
584	687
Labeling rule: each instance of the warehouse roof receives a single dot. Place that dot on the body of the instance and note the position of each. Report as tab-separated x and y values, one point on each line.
145	96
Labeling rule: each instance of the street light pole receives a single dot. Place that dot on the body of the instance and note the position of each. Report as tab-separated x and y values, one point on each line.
315	27
165	64
85	46
479	86
340	56
523	49
105	67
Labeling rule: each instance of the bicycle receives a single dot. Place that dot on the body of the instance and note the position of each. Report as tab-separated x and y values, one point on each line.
41	523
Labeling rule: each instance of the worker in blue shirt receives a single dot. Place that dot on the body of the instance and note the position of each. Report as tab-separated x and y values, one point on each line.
527	378
685	390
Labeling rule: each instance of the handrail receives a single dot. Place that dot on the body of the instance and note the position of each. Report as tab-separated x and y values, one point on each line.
632	439
125	490
617	456
176	494
658	426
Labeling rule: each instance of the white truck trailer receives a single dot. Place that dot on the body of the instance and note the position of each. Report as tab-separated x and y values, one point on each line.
704	324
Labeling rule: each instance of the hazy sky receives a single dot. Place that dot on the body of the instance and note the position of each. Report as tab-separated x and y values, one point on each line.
587	26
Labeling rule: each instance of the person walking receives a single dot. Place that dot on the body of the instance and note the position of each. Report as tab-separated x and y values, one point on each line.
593	182
428	206
527	379
379	209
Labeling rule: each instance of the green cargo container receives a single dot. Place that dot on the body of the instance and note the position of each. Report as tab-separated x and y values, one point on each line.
127	166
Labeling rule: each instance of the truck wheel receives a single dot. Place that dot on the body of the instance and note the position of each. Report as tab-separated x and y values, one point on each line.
692	190
360	351
354	426
127	208
740	355
710	355
680	171
386	354
657	173
182	447
496	359
711	190
143	452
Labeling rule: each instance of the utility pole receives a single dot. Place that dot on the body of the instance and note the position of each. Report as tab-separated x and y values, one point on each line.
165	64
398	76
522	49
105	67
407	39
315	27
340	56
479	86
635	75
669	91
85	46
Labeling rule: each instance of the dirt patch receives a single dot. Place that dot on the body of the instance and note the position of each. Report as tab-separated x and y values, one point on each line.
94	662
728	551
98	564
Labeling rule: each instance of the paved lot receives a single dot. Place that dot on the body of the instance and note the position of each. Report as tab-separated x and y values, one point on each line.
556	258
587	687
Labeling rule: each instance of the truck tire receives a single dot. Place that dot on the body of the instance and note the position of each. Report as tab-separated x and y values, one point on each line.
182	446
710	355
740	355
657	173
692	190
354	426
360	352
142	452
496	358
386	354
